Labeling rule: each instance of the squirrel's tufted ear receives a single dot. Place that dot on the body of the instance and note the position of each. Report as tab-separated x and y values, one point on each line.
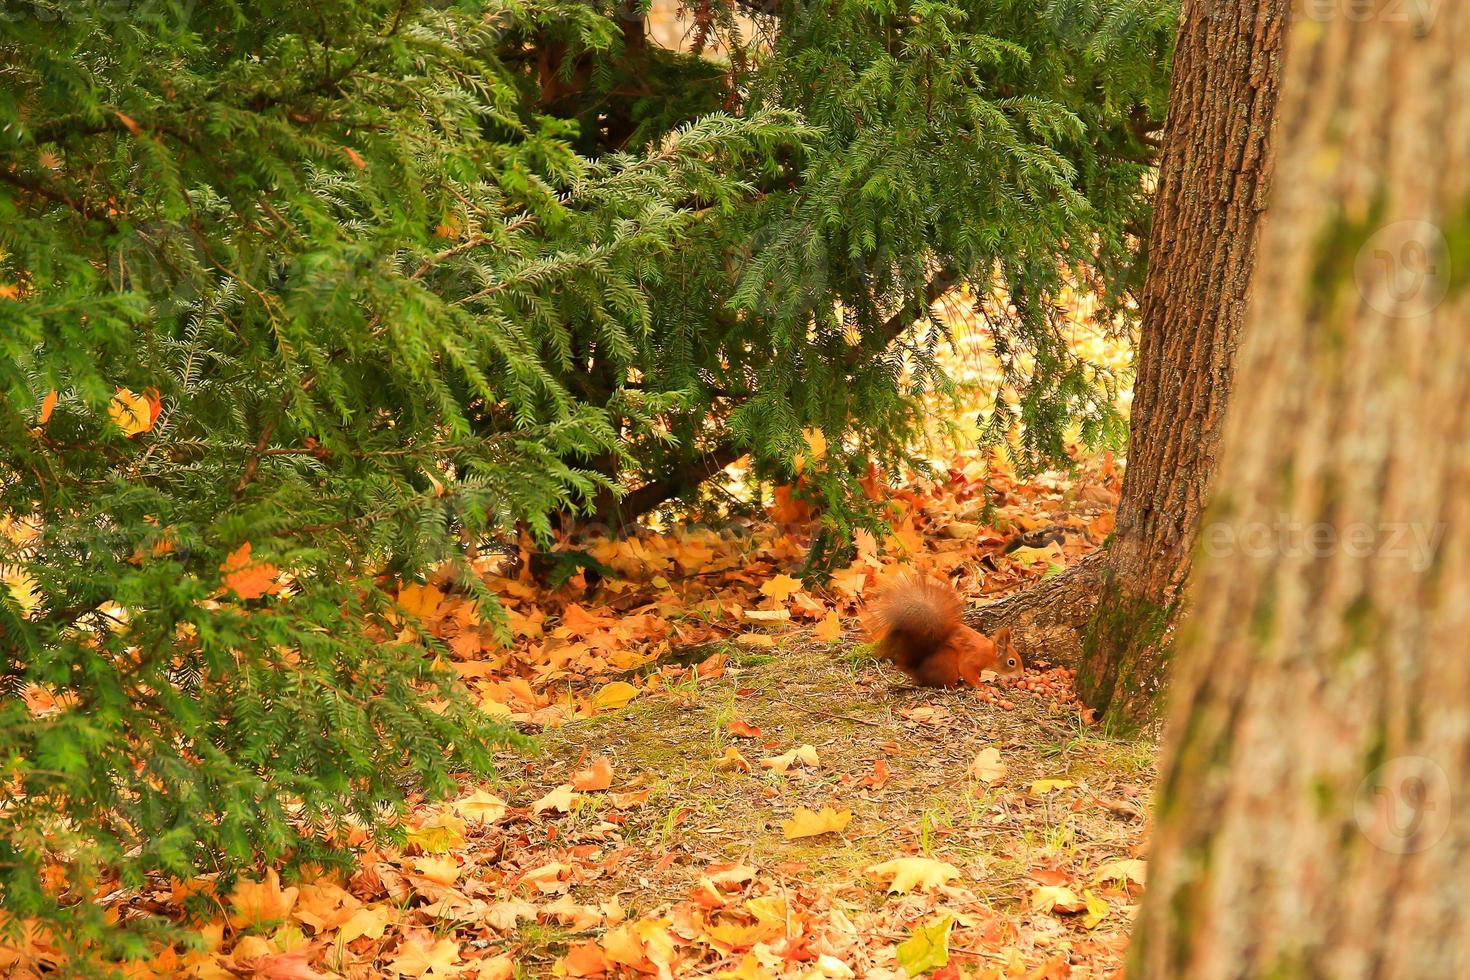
1003	636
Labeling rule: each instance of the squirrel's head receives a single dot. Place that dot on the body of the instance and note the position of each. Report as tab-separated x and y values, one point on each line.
1008	661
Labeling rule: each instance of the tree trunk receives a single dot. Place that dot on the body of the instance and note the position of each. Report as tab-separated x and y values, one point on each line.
1212	181
1305	822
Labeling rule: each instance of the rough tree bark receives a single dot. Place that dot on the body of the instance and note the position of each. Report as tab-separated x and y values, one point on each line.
1311	818
1114	611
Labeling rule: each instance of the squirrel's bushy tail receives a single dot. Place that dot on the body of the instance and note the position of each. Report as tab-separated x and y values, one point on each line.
913	617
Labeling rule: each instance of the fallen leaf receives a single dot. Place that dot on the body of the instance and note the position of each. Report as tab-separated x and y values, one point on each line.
614	695
597	776
584	960
906	874
1097	908
927	948
743	729
829	630
1043	786
368	921
780	588
987	766
500	967
247	579
1124	871
806	823
561	799
415	959
259	903
1056	898
480	806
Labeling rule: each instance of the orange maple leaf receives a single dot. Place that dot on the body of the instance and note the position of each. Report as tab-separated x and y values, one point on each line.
247	579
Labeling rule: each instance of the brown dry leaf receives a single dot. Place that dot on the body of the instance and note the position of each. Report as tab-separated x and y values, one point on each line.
632	798
987	766
879	776
503	916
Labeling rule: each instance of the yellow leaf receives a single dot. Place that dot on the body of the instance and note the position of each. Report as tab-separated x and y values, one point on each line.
749	969
23	588
806	756
258	903
1124	871
415	959
614	695
481	806
131	412
927	949
732	759
420	601
368	921
781	588
438	834
561	799
829	629
1097	908
1043	786
816	443
1030	556
1057	898
805	823
906	874
48	405
987	766
440	871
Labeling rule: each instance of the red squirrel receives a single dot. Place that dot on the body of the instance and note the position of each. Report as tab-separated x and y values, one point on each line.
916	622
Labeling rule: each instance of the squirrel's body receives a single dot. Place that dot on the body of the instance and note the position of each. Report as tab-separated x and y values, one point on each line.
917	623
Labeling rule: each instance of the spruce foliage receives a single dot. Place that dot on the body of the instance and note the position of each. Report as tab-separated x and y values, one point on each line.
351	268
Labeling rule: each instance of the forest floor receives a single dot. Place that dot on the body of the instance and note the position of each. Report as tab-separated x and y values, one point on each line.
723	782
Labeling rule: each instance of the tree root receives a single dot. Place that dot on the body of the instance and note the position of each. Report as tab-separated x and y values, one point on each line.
1049	620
